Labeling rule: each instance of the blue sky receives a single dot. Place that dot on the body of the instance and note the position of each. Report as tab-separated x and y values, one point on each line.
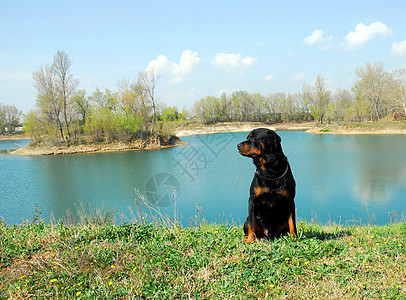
199	48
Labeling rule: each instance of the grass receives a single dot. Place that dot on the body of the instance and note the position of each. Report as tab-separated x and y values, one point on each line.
373	126
209	261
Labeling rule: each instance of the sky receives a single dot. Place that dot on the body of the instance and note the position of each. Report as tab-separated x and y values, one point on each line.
198	48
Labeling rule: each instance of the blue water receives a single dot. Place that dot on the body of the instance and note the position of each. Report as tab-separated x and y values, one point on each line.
339	178
8	145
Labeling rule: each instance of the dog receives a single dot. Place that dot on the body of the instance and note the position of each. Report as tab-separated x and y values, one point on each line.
271	206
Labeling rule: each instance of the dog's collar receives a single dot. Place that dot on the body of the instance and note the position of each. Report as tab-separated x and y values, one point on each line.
273	179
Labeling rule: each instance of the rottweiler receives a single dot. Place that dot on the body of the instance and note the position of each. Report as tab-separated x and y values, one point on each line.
271	208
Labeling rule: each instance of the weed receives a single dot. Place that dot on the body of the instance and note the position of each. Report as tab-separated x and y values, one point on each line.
91	214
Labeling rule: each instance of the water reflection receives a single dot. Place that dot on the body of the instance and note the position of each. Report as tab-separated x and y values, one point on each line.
338	178
380	167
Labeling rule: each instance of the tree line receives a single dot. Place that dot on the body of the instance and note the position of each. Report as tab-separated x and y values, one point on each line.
375	94
64	113
131	112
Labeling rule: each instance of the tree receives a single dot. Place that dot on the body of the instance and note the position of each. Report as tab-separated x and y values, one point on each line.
226	107
320	100
2	119
287	107
258	106
106	99
148	80
373	87
272	105
12	117
343	99
65	83
142	98
48	102
398	88
34	124
305	98
170	114
81	105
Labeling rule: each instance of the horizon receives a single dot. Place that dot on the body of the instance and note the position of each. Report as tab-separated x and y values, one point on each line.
198	49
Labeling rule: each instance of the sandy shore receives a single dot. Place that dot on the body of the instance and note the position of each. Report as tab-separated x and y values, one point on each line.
14	137
239	127
94	148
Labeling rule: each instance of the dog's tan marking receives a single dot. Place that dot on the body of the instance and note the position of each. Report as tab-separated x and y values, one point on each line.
259	191
247	151
250	237
284	193
292	226
262	162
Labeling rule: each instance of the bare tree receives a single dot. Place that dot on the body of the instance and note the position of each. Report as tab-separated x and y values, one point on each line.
11	117
138	88
2	119
148	79
343	99
398	90
305	97
272	106
65	83
320	100
373	87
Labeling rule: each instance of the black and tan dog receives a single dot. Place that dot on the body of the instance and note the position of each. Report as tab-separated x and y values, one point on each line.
271	209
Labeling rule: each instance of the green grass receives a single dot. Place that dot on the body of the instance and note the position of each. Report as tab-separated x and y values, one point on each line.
133	261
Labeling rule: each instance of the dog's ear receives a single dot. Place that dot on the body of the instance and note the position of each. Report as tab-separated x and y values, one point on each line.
272	134
274	141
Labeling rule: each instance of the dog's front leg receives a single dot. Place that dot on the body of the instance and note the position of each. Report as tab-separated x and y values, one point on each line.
250	236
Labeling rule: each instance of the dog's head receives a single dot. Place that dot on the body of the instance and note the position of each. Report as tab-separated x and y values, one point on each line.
260	143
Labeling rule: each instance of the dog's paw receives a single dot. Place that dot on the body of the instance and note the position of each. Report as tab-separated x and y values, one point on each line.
249	239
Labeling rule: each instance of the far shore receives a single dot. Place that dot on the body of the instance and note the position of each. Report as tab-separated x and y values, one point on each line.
240	127
388	128
14	137
368	128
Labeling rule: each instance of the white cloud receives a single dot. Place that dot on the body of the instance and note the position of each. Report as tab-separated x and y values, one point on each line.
399	48
188	62
363	33
317	37
269	78
298	77
232	61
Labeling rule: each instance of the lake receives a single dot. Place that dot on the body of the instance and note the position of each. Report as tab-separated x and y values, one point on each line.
344	179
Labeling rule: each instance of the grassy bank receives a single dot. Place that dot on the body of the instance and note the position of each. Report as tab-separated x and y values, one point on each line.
133	261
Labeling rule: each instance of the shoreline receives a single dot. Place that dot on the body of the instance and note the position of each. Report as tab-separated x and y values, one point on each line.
95	148
17	137
389	128
240	127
